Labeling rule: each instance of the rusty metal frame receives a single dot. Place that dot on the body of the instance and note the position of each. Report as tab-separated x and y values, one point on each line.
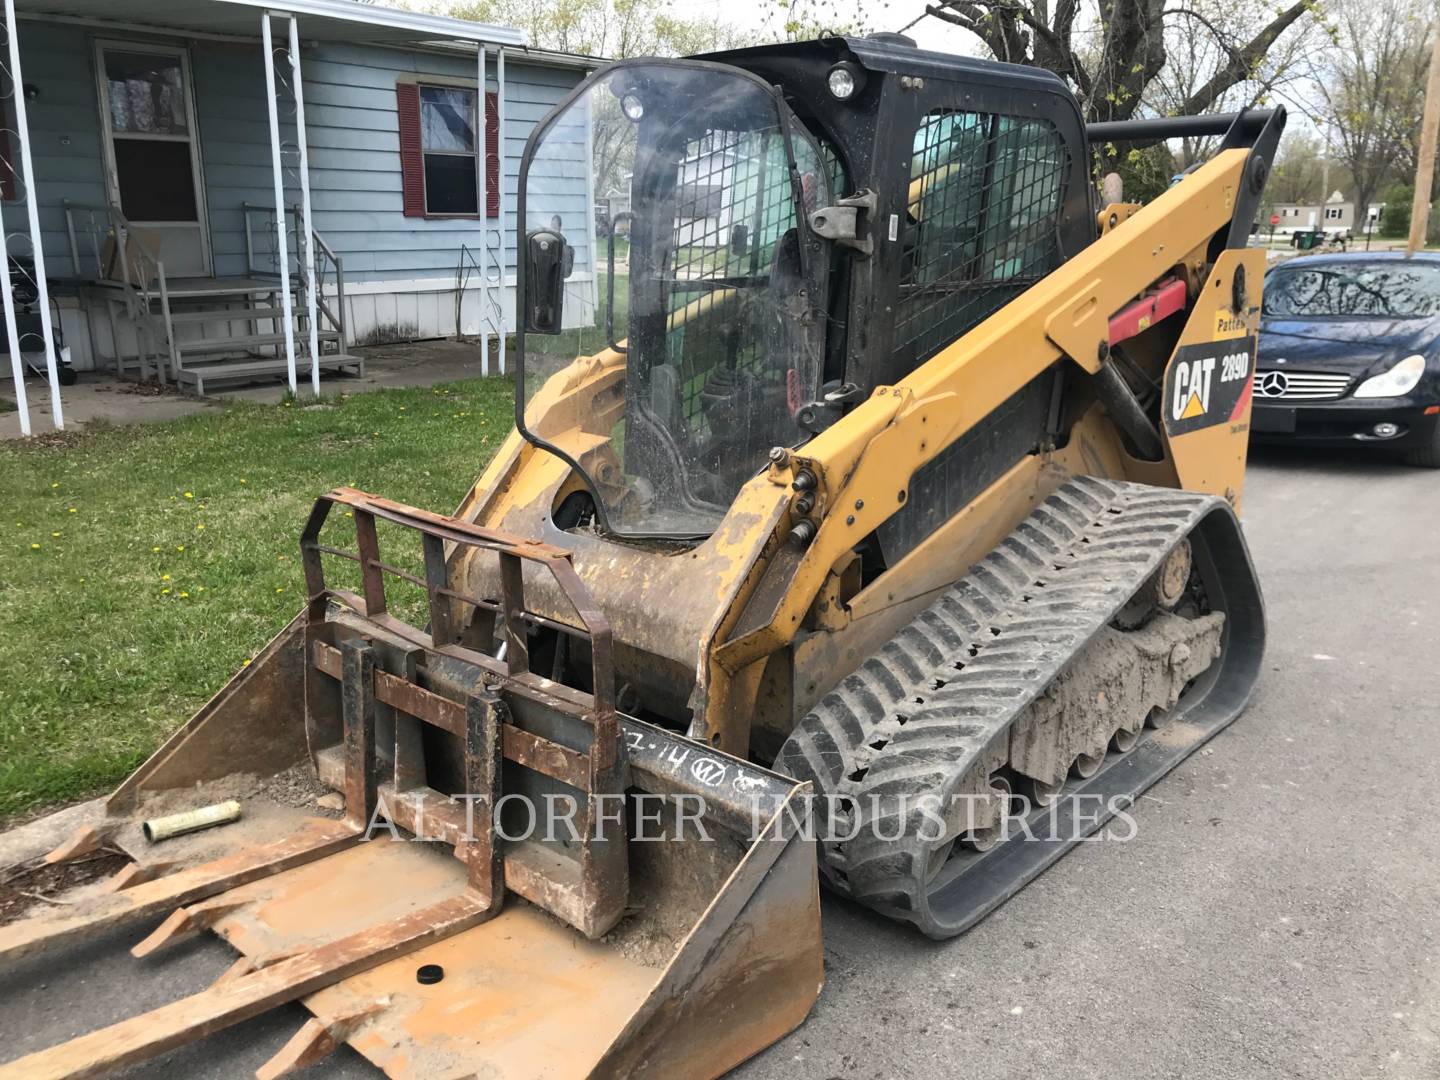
481	721
438	530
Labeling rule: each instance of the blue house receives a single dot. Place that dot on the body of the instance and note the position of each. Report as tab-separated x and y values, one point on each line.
205	215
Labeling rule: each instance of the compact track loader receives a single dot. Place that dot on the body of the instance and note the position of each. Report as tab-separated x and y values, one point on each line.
885	528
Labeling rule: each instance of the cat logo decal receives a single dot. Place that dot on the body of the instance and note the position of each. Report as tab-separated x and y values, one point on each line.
1208	384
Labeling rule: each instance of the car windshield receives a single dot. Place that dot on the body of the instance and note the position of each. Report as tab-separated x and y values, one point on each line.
1392	290
697	273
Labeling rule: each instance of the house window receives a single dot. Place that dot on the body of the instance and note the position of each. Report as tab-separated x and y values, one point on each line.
440	151
447	141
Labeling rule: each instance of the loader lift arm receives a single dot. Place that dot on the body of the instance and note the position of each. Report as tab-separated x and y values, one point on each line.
1066	316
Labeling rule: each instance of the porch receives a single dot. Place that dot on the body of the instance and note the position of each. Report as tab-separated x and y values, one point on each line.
161	143
103	399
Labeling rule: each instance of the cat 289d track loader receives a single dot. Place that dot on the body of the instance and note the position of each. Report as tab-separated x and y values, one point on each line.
896	482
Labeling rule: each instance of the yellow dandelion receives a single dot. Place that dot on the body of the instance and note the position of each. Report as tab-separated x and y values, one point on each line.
200	527
349	513
55	535
243	480
164	577
179	547
155	550
198	588
189	494
56	484
184	595
34	547
245	662
280	589
164	592
72	510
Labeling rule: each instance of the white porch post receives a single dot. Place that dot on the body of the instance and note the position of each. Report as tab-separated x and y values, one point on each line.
12	335
500	138
483	204
277	167
590	241
32	209
307	233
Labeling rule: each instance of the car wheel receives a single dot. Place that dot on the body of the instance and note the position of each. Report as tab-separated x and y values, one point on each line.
1427	457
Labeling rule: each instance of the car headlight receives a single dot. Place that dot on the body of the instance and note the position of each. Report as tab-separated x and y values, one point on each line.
1398	381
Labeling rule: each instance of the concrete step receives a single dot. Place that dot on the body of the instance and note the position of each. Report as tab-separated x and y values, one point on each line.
200	375
241	343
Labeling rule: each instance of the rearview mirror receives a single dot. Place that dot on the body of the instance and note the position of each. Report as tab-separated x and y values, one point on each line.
546	259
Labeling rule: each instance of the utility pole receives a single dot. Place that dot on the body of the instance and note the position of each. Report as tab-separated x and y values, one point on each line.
1425	169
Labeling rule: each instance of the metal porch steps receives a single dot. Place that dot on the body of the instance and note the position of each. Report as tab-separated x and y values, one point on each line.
196	377
217	315
241	343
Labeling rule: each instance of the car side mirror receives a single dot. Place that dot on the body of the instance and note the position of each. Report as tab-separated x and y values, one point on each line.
548	260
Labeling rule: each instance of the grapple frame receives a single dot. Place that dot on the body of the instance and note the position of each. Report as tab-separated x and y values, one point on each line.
748	933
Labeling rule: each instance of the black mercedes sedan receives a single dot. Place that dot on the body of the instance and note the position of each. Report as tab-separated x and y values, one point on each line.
1349	354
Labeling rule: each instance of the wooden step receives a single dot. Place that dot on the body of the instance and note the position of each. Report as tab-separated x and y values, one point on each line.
215	315
240	343
198	376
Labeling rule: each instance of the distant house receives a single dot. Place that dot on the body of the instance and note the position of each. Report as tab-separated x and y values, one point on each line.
1336	214
160	138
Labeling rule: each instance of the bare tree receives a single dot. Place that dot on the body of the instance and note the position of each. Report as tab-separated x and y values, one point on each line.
1371	89
1112	54
1298	173
1202	40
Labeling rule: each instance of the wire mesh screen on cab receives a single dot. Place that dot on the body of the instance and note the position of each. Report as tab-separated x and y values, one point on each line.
982	223
734	215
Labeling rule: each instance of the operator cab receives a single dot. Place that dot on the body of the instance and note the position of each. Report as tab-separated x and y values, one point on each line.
788	227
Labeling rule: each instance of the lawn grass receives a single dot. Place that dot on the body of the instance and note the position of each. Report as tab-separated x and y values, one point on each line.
141	566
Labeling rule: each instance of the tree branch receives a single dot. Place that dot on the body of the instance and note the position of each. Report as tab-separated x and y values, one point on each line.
1243	60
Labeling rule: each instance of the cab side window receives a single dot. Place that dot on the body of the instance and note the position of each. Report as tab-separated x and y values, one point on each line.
981	223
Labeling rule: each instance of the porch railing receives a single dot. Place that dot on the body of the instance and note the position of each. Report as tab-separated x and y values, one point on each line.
262	259
119	255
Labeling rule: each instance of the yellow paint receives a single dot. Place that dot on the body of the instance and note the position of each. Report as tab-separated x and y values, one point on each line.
864	462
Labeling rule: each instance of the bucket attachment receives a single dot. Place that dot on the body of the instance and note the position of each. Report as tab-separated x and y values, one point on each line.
518	880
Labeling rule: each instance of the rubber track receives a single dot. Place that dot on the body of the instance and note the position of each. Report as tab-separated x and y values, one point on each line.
913	718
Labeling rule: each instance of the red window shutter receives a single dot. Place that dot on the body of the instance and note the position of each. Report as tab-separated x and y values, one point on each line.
412	160
492	159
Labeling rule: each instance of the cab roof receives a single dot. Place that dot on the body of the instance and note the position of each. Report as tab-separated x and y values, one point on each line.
890	54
